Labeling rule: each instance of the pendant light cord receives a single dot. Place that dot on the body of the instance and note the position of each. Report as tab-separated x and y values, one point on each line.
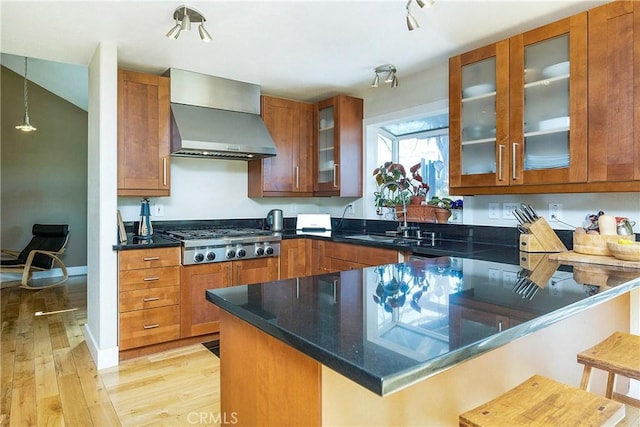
26	88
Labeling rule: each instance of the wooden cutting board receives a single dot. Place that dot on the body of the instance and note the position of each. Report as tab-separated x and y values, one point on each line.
593	259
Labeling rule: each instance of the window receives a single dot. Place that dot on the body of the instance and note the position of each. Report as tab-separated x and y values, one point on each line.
424	140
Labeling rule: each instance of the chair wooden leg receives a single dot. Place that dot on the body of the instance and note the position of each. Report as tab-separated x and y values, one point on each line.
585	382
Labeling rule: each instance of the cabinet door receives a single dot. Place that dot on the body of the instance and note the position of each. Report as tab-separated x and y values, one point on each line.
614	92
479	117
292	258
199	316
143	134
548	104
338	147
290	124
255	271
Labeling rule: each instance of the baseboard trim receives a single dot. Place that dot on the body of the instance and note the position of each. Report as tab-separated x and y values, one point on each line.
54	272
103	358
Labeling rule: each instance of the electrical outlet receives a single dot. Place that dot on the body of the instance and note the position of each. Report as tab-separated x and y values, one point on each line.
507	210
555	211
509	279
350	209
494	276
294	208
158	210
494	210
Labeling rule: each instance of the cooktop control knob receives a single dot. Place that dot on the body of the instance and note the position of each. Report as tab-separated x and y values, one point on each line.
231	253
210	256
269	250
241	253
198	257
259	251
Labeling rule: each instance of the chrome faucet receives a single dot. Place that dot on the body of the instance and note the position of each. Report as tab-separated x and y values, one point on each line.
401	228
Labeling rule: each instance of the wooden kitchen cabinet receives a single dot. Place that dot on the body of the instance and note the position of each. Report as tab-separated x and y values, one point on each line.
329	257
293	258
199	316
338	147
290	172
518	111
143	134
149	296
614	94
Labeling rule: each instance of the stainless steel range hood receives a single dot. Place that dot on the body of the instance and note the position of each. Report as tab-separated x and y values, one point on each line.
216	118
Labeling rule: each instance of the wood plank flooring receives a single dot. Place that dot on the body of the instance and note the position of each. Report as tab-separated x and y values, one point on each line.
48	377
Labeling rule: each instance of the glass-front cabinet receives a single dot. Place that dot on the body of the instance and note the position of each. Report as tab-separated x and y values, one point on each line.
518	109
338	142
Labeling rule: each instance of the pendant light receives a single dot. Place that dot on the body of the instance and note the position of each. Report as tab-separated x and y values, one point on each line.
26	126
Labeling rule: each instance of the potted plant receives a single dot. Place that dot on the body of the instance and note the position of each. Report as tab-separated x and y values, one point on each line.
443	207
396	188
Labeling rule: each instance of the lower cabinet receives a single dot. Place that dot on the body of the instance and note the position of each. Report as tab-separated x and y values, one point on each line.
199	316
329	257
149	296
293	258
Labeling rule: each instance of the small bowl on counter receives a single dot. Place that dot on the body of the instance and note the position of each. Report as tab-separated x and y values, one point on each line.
625	251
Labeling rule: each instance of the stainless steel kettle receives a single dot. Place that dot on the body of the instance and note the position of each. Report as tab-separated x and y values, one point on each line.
274	219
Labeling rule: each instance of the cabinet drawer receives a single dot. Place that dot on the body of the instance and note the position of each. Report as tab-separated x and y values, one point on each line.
140	299
148	258
145	327
147	278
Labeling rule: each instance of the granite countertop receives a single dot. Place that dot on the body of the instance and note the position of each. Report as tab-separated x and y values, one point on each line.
156	241
390	326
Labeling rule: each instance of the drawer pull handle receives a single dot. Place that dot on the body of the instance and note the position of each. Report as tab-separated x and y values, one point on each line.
150	299
151	258
155	325
151	279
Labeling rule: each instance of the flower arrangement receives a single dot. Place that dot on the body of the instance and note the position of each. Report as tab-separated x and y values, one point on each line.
393	177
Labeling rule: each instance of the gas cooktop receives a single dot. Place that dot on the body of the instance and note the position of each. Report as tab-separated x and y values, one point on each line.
225	244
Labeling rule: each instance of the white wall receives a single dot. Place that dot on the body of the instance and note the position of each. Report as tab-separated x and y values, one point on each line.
101	330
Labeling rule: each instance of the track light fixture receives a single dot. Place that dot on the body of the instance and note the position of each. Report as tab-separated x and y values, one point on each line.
390	76
183	17
412	23
26	126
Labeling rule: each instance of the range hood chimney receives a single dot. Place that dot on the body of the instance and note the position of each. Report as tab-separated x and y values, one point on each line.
217	118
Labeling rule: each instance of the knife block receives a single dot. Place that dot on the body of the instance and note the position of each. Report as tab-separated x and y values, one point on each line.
541	238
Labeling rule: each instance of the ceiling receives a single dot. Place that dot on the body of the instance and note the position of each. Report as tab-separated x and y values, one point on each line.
304	50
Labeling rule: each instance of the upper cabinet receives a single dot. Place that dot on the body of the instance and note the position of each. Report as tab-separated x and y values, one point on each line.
338	147
518	113
290	172
614	94
143	134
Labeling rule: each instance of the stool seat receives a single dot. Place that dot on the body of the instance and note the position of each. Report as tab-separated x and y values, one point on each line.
541	401
619	354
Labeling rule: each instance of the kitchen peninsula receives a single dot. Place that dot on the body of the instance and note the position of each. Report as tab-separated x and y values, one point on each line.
412	343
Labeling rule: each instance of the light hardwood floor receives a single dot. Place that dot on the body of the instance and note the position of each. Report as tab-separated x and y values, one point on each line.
49	378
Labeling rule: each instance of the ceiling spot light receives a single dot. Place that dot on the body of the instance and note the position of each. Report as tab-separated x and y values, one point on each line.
26	126
390	77
376	81
183	17
412	23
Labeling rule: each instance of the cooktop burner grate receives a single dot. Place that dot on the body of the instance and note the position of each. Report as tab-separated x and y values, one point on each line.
217	233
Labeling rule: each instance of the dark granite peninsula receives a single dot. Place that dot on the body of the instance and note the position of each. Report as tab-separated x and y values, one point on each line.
414	343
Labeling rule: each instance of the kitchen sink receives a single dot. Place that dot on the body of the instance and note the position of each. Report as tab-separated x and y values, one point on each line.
395	240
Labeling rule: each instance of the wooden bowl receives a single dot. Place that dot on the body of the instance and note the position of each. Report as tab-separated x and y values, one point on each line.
593	244
627	252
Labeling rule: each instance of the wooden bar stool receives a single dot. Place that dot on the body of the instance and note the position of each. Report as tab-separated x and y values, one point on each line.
541	401
618	355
